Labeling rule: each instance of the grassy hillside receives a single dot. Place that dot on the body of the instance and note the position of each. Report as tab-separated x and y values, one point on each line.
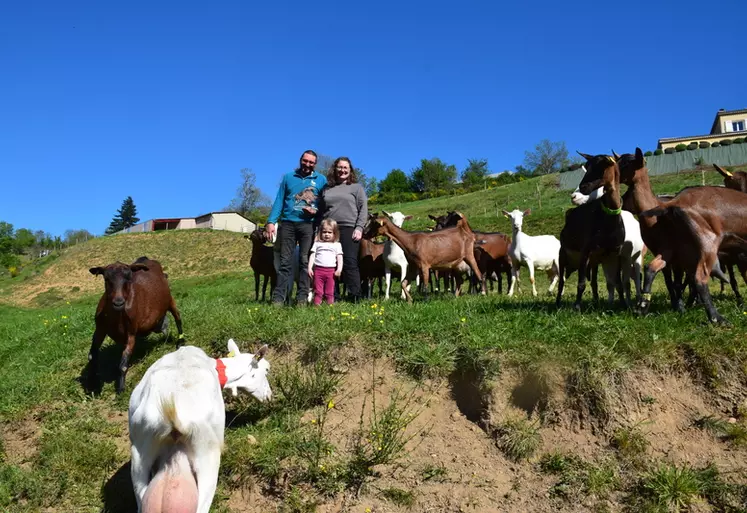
478	404
183	253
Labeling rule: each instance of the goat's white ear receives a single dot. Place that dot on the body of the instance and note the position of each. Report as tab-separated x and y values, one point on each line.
233	348
527	211
387	213
506	214
261	352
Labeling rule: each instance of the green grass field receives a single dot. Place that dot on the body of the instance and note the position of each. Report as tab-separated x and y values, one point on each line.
313	448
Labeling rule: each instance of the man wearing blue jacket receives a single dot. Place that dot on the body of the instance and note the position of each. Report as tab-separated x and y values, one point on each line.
296	207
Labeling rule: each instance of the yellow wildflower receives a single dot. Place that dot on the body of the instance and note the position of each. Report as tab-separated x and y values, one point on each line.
464	319
331	404
344	314
64	316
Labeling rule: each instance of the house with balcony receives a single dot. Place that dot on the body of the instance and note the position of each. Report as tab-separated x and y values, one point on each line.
728	124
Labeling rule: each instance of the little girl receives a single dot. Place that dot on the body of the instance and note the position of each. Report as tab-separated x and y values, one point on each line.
325	261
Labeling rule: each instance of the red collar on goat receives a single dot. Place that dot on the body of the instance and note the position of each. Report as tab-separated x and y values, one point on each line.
221	368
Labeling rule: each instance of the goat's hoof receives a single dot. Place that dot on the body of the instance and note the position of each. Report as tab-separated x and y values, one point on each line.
720	321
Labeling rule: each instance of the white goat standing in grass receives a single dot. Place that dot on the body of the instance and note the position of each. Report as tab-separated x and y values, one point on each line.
394	256
177	418
631	252
536	252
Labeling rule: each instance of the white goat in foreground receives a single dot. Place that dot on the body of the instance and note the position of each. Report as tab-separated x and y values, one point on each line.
631	252
177	418
394	256
536	252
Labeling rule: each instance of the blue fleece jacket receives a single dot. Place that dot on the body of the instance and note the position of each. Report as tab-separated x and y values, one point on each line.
295	192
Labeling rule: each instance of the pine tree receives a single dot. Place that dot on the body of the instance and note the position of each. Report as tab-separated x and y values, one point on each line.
126	217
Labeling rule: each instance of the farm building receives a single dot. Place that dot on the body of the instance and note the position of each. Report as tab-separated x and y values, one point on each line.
729	124
232	221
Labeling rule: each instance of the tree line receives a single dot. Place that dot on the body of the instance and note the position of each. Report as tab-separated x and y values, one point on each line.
431	178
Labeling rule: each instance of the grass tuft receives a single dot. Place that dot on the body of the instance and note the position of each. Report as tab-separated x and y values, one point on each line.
517	438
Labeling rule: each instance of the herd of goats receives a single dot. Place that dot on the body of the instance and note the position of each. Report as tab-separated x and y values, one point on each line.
694	235
176	412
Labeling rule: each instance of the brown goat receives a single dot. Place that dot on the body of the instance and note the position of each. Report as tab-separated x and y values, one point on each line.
135	302
736	180
450	248
491	253
695	225
371	265
262	263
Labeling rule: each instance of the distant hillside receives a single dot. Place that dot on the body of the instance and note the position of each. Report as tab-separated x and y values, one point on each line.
183	253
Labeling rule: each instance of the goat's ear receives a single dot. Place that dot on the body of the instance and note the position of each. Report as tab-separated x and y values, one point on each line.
260	353
386	213
96	270
408	217
723	171
233	348
138	267
527	211
506	214
585	155
432	217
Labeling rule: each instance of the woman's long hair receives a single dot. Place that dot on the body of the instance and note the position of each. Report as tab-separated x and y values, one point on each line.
332	173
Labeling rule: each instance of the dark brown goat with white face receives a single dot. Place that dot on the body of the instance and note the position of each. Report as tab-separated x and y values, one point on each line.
135	302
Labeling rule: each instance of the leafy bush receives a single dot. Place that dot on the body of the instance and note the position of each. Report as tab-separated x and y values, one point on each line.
738	140
680	147
725	142
647	154
692	146
669	151
658	151
704	144
715	145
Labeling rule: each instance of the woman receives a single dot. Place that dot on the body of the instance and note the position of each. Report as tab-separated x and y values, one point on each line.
344	200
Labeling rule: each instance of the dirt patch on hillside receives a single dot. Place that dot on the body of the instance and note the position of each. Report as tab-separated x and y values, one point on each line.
19	441
454	464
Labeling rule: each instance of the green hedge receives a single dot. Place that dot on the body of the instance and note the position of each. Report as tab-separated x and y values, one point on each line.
692	146
726	142
647	154
704	144
738	140
669	151
658	151
715	145
680	147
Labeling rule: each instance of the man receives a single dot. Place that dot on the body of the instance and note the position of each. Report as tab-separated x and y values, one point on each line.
296	207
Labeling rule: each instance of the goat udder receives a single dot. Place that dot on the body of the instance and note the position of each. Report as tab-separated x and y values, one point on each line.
168	493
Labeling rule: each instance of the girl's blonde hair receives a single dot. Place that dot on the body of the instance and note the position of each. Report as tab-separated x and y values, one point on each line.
331	224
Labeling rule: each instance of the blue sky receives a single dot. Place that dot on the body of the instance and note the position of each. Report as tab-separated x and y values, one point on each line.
167	101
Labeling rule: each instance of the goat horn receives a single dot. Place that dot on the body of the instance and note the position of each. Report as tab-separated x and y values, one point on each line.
724	172
617	157
584	155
